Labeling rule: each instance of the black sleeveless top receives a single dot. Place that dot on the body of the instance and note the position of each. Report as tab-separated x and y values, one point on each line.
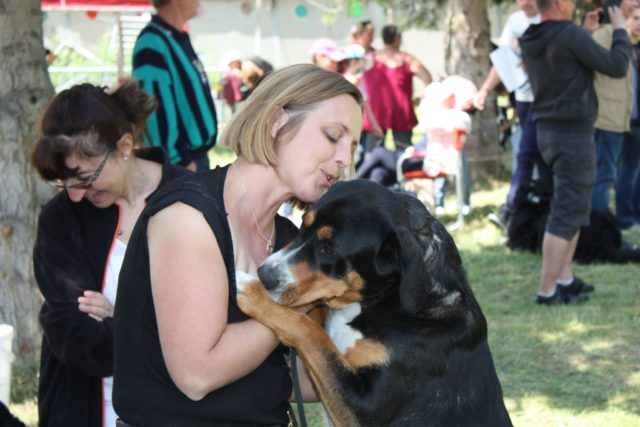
143	392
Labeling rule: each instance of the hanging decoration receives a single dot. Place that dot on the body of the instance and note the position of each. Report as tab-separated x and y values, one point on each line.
301	11
92	14
356	9
246	7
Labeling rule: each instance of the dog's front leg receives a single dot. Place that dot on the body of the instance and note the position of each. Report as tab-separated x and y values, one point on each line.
294	329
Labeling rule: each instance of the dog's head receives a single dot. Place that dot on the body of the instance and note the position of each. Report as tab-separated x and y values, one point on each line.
363	243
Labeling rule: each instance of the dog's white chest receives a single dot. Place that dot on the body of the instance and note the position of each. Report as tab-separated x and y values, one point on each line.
338	329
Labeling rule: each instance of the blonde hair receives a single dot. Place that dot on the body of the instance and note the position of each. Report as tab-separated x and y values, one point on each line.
296	90
634	38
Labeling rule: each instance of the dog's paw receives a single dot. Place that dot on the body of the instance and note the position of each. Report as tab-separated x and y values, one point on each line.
250	293
243	279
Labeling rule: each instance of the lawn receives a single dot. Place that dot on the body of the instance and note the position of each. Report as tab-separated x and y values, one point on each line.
559	366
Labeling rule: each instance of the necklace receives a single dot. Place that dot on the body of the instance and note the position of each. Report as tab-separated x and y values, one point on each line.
268	240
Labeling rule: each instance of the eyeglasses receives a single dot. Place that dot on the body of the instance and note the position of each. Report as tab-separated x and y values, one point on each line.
83	183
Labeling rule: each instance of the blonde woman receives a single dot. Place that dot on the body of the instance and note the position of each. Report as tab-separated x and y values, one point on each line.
185	354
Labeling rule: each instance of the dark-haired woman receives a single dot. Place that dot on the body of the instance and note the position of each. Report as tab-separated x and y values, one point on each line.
87	149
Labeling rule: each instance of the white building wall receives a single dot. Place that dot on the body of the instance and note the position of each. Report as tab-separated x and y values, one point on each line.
275	33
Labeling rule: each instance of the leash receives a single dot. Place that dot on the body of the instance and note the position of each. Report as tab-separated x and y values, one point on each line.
297	391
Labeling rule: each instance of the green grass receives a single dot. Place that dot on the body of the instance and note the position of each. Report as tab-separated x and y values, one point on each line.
573	366
569	366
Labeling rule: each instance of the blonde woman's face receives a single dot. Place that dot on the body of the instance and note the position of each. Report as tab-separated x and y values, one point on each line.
316	156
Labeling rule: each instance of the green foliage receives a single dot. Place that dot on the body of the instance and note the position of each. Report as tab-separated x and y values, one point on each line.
426	13
70	56
24	382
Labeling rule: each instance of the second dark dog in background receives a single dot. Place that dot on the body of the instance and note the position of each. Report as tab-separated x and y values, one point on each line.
601	241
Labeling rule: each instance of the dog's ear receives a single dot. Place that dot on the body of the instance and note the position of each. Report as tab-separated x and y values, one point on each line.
430	263
416	281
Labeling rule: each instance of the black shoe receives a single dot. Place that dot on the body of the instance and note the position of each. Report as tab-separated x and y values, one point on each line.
501	219
561	297
577	286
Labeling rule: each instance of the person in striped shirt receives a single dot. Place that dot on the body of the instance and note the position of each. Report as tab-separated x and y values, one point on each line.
167	66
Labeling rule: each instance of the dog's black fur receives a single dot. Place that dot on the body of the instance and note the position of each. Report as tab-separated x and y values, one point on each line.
601	241
7	419
422	358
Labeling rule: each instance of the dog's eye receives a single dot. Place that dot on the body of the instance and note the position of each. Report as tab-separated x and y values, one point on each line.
327	250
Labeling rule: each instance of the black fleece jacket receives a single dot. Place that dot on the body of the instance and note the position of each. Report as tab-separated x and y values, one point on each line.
560	59
70	256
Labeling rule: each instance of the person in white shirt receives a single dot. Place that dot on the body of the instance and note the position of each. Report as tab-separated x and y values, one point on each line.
528	155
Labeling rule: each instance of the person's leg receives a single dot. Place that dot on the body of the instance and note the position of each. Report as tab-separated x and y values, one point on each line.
370	162
527	154
629	167
555	252
571	157
382	163
516	137
608	147
440	189
382	176
369	142
402	139
636	198
467	182
566	272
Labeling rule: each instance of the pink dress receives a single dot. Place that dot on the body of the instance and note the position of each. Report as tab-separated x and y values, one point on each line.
390	91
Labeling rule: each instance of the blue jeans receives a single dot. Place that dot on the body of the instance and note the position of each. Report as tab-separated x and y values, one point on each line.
608	149
440	185
380	166
401	139
528	155
626	212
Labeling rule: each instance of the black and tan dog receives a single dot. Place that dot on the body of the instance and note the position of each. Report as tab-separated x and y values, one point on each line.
405	341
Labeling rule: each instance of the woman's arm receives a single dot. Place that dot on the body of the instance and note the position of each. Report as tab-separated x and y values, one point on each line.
419	70
63	273
190	292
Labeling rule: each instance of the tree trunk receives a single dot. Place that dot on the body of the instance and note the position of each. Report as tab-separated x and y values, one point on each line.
467	47
25	89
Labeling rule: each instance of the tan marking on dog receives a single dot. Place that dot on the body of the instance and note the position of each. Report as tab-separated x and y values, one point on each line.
314	346
309	219
314	286
355	284
367	352
325	233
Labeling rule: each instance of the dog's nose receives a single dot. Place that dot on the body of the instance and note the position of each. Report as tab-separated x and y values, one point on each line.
268	275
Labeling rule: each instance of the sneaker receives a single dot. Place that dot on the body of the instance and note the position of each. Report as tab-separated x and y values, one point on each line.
632	229
561	297
495	220
466	210
577	286
501	219
439	211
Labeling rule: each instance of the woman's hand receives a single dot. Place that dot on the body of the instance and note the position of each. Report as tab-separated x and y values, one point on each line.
96	305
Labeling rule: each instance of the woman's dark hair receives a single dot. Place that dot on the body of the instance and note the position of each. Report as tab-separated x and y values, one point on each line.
88	121
389	34
359	28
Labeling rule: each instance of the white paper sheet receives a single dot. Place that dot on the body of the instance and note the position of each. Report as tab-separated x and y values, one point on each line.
509	67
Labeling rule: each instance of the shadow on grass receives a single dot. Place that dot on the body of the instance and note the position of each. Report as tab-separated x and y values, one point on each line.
579	358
